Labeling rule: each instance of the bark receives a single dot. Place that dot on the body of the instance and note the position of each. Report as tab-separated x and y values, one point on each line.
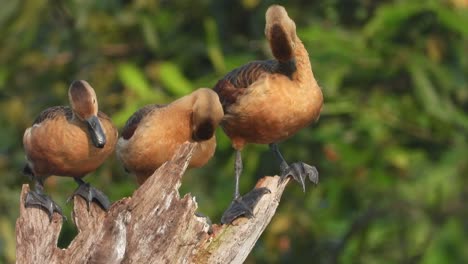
154	225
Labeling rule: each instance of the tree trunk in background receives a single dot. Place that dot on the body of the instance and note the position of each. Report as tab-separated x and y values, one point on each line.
155	225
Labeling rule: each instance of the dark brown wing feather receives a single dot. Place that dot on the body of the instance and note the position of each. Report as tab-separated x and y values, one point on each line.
132	123
54	112
244	76
230	87
227	93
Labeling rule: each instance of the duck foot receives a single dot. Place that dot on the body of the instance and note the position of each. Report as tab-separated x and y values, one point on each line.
89	193
243	205
39	199
300	171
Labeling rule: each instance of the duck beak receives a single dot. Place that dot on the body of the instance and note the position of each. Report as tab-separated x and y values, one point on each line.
95	131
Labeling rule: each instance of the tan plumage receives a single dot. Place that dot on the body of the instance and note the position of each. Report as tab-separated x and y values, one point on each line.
152	134
68	141
269	101
60	145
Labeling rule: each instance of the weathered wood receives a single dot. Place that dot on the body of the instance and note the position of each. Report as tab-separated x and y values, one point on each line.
155	225
233	243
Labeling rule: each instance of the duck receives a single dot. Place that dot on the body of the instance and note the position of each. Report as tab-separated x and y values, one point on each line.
268	101
152	135
69	141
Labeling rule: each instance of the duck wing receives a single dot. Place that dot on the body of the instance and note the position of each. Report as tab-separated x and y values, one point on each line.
53	113
133	121
234	84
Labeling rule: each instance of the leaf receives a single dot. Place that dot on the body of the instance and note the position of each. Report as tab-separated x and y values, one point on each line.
213	47
425	91
134	79
149	33
173	79
455	21
389	18
121	117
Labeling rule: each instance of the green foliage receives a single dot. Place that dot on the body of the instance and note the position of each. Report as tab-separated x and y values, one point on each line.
390	146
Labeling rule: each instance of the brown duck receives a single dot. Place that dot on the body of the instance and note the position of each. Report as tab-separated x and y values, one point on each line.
152	135
68	141
268	101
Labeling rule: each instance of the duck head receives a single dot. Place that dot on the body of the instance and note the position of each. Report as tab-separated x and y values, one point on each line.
84	104
280	30
207	112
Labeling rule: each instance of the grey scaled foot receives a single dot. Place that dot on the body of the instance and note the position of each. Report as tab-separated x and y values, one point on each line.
39	199
300	171
90	193
243	205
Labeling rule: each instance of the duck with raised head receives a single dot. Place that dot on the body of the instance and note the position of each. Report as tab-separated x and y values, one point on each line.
152	135
68	141
268	101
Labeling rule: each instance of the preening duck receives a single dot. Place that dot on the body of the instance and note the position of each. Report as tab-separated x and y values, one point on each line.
152	134
68	141
268	101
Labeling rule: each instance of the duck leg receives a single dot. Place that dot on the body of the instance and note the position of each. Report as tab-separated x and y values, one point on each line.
39	199
90	193
298	170
242	205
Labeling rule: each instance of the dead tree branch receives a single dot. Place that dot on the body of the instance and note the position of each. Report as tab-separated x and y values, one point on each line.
155	225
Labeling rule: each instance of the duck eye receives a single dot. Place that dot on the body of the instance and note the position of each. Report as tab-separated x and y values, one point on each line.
94	101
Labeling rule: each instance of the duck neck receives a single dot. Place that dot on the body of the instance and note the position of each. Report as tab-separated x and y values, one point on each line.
183	103
303	74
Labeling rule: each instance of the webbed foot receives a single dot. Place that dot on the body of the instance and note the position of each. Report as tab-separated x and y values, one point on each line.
89	193
300	171
243	205
39	199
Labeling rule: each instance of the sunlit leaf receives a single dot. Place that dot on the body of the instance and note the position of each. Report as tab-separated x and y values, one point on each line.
134	79
173	79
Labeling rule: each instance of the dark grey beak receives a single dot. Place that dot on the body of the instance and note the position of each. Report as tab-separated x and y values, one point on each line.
95	131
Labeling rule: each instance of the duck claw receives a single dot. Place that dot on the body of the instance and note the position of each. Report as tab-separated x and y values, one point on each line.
40	200
243	205
300	171
89	193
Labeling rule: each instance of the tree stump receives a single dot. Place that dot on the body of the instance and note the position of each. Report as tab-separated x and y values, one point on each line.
154	225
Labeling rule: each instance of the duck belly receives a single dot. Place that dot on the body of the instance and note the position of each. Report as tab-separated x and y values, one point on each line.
51	150
271	111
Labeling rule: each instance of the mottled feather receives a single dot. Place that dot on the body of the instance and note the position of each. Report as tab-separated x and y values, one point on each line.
54	112
57	111
242	77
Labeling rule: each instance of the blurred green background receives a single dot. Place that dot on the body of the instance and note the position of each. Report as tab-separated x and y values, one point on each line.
391	144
